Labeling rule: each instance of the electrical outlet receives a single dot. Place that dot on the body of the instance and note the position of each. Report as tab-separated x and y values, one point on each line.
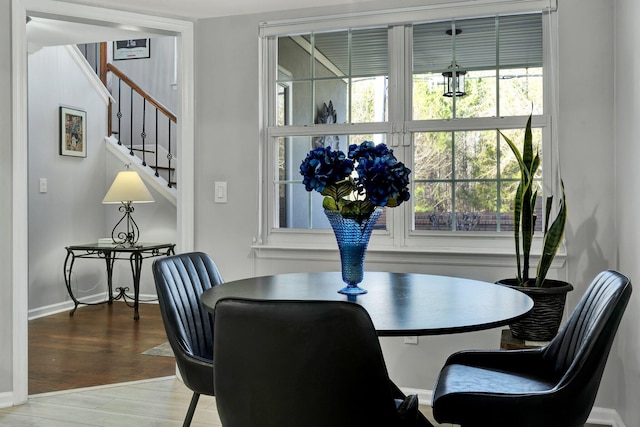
411	340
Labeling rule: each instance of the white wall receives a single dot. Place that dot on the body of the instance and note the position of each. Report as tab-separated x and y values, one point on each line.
70	212
227	144
586	129
627	110
6	253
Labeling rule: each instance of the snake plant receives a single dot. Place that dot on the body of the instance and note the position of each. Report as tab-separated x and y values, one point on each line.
524	218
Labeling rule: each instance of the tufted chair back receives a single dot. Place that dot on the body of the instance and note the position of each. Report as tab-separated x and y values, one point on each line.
180	281
578	353
552	386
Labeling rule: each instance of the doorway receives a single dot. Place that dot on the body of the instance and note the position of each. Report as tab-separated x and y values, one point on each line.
99	17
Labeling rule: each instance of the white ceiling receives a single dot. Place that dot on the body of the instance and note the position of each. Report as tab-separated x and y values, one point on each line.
48	32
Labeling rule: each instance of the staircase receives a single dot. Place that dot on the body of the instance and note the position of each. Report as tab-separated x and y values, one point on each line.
141	131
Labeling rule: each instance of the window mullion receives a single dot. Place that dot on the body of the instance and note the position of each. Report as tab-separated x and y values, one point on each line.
397	66
399	37
269	71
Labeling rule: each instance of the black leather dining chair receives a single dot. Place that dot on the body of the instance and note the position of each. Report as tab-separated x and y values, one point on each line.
294	363
180	281
552	386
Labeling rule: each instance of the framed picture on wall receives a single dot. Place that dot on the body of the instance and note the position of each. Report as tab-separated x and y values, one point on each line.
131	49
73	132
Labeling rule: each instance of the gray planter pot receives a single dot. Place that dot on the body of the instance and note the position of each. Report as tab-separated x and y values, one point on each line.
543	322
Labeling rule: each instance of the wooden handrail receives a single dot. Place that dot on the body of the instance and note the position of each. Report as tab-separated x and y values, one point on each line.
123	77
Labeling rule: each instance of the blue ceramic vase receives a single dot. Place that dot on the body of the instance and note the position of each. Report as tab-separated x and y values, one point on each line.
353	238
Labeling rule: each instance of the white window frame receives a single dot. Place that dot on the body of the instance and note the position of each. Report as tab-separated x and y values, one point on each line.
398	238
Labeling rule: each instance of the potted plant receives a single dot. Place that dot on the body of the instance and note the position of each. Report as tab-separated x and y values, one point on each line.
549	295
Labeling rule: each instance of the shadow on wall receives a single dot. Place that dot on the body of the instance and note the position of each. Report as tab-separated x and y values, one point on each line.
590	255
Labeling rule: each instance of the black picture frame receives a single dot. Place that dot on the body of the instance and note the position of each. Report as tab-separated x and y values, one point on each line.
131	49
73	132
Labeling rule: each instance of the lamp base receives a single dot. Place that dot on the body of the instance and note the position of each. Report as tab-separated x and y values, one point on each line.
132	233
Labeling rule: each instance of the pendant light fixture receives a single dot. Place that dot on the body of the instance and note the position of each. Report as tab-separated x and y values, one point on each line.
454	77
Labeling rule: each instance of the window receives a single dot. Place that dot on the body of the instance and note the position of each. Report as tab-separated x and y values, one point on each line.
386	83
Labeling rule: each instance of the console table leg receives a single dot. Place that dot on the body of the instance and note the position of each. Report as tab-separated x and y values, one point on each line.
109	259
136	270
67	279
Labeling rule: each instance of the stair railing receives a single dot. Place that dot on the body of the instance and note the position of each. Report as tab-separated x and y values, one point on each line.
141	122
159	123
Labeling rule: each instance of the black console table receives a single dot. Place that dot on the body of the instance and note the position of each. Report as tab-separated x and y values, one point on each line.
110	253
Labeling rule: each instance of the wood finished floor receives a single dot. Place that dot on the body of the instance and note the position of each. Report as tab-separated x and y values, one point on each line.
99	345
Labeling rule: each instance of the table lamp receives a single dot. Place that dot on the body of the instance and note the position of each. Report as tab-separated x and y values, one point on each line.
127	189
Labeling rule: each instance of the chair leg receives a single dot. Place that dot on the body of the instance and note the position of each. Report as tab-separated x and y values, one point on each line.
191	410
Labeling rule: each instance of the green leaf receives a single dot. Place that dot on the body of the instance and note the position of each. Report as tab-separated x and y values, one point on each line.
525	200
329	204
552	239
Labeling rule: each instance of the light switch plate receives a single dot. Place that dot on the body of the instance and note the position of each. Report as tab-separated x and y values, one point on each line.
220	192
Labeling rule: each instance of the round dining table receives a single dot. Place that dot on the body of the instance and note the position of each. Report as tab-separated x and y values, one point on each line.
399	304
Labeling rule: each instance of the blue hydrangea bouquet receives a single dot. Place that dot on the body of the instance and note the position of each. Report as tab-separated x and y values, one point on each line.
379	179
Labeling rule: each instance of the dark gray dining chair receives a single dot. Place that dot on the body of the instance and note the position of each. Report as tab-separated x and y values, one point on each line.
180	281
552	386
295	363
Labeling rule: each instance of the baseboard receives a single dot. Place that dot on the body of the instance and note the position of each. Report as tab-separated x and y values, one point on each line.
48	310
6	400
603	416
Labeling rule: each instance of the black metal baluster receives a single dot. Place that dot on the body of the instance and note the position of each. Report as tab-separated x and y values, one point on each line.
119	115
96	57
169	156
143	135
157	140
131	125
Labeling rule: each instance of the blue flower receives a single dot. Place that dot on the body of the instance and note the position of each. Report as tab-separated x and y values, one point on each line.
381	179
323	167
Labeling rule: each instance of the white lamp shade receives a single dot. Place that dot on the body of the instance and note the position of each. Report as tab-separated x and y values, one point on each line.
128	187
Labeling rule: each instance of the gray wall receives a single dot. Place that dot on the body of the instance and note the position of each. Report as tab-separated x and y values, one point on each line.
6	310
626	354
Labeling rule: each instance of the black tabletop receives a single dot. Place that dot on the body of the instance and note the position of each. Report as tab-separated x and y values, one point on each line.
113	247
400	304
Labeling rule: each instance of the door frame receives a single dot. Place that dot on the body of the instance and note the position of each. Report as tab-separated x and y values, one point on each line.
20	9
